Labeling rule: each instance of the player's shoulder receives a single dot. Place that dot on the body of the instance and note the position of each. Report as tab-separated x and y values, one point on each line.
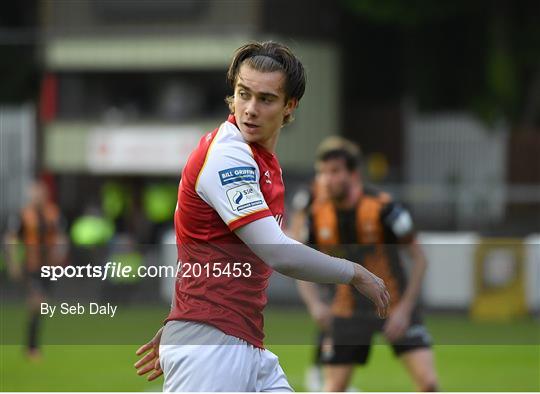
375	193
215	146
229	157
223	138
388	206
393	215
228	142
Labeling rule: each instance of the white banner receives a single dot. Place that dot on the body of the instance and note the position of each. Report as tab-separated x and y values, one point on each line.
141	149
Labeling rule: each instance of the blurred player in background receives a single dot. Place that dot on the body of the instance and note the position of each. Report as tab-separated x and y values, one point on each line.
38	229
352	220
230	209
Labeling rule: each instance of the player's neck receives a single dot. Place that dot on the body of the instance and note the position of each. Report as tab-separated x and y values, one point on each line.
350	200
271	143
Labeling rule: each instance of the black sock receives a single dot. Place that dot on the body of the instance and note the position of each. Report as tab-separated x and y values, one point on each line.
33	328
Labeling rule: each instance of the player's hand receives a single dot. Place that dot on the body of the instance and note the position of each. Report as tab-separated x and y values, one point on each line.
397	323
372	287
150	360
322	314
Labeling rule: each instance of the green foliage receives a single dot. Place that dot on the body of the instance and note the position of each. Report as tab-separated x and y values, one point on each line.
115	199
91	230
477	56
159	201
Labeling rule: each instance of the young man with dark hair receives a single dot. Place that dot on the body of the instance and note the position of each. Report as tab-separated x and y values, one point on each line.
357	222
230	209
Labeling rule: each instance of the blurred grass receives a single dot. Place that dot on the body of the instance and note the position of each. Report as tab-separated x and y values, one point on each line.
131	325
102	367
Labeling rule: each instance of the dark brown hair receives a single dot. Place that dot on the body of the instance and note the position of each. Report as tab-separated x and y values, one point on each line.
269	56
335	147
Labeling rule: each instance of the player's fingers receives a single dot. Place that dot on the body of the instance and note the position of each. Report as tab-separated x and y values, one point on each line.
147	358
381	307
140	365
384	314
386	298
144	348
144	370
386	307
157	365
155	375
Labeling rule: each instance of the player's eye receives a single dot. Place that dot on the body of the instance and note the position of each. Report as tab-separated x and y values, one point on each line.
243	94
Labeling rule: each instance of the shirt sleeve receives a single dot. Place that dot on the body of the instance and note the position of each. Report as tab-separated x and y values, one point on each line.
291	258
398	222
229	183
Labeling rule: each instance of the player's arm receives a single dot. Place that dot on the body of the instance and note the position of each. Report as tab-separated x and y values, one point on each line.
298	228
414	286
13	267
400	318
318	309
301	230
229	183
399	224
291	258
11	242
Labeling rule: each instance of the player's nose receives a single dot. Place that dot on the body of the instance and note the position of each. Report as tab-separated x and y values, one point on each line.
251	108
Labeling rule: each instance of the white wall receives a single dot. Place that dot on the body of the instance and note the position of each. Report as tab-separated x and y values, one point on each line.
456	153
449	280
532	271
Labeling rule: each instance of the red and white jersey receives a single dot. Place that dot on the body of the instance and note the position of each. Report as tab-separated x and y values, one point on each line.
226	183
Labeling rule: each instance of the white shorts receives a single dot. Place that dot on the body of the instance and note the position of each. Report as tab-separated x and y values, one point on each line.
199	357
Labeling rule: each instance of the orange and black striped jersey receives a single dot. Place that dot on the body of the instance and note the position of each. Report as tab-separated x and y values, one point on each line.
368	234
39	230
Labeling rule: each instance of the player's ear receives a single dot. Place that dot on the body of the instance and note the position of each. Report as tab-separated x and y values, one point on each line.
290	106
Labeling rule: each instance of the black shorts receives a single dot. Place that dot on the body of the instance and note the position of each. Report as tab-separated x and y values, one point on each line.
350	340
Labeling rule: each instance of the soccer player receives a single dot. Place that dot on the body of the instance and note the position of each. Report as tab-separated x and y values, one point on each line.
229	215
354	220
38	227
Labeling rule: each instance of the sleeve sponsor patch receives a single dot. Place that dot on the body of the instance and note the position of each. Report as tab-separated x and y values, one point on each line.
237	174
398	219
244	197
402	225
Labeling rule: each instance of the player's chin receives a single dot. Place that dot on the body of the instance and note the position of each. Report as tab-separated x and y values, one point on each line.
251	137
